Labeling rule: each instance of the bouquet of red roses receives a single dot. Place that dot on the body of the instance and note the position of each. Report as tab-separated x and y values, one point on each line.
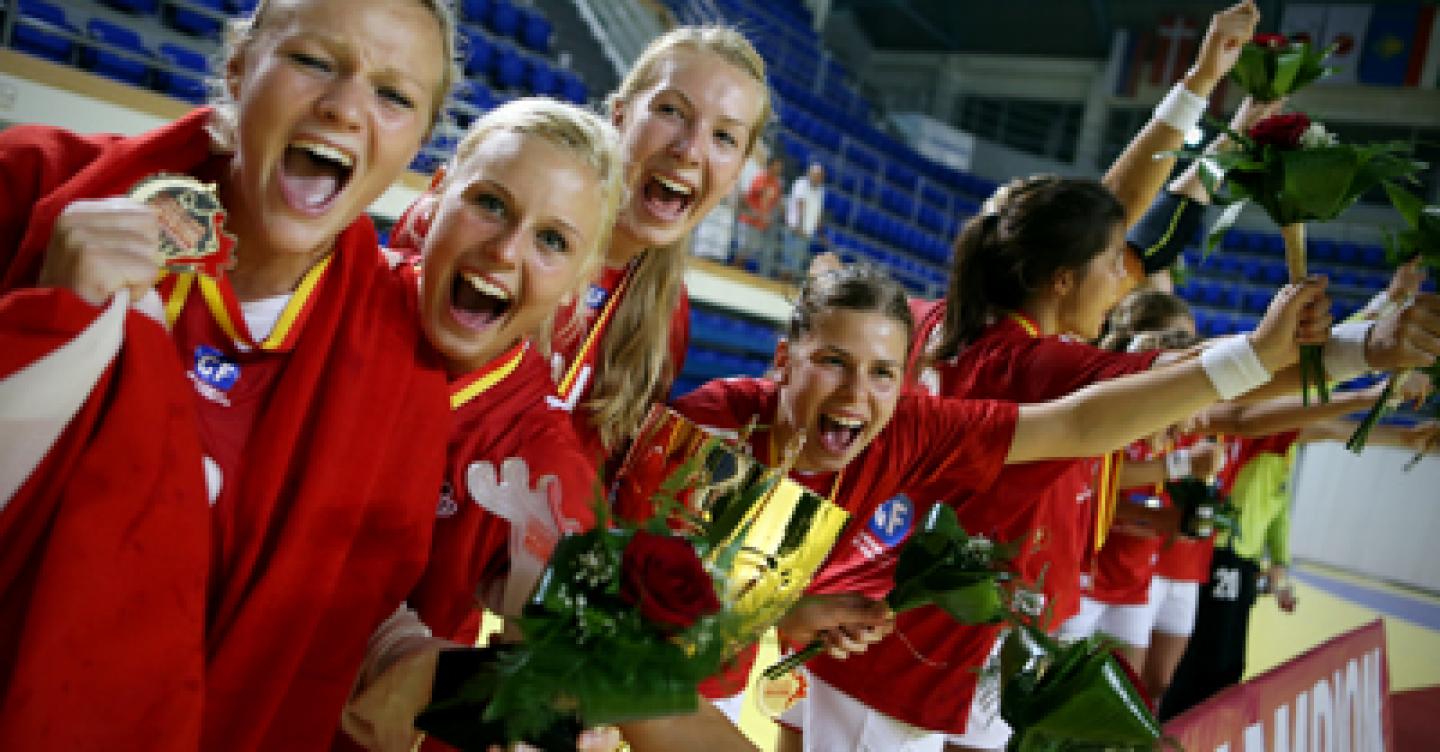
1271	67
1298	172
628	618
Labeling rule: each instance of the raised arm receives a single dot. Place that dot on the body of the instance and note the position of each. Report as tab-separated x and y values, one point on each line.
1136	176
1108	415
1281	414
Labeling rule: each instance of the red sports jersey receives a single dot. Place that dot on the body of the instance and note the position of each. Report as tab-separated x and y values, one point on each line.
929	445
100	589
1123	568
1185	559
577	346
342	431
1239	450
501	412
927	678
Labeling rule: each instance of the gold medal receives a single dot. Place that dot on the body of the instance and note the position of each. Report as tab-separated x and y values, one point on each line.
775	696
192	235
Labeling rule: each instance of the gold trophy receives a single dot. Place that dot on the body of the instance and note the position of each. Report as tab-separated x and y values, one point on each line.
768	534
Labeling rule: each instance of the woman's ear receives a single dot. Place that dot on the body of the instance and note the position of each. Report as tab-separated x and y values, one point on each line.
782	360
1063	283
235	69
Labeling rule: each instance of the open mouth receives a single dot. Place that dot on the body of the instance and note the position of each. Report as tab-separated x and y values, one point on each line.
666	198
838	433
312	174
476	302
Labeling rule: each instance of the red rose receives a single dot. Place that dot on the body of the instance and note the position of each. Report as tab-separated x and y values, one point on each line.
663	576
1280	131
1272	41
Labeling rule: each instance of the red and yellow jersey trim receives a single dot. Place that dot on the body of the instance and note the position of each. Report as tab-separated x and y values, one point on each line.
474	384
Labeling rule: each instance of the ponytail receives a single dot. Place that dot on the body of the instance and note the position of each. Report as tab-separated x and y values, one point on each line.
1030	230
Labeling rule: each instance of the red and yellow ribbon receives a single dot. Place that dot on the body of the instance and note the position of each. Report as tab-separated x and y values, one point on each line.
587	347
225	307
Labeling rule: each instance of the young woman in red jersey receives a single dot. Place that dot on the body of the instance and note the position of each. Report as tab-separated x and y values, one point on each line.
1123	598
520	221
284	394
689	111
887	457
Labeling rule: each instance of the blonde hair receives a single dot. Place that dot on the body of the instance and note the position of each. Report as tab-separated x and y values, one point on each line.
580	132
241	32
635	349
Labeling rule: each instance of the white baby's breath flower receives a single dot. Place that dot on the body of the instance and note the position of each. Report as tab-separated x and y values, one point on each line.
1316	137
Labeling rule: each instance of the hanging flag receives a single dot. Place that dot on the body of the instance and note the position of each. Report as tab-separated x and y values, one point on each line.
1389	45
1132	47
1175	43
1425	61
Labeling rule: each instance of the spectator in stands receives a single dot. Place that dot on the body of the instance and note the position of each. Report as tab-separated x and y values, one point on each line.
803	207
280	446
757	216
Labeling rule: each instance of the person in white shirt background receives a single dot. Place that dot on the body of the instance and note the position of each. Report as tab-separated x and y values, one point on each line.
802	219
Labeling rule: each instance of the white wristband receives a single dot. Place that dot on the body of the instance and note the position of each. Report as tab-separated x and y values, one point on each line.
1379	306
1233	366
1177	464
1181	109
1344	352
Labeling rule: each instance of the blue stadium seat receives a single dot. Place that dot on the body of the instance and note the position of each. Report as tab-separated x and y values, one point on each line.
41	28
543	79
1372	255
504	18
188	86
535	30
111	64
479	94
507	70
241	7
195	22
572	89
477	54
838	207
1322	249
138	7
1348	253
424	164
1256	300
934	195
475	11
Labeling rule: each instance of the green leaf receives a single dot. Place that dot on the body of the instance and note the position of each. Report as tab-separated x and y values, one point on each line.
1316	182
1287	67
1408	204
1222	224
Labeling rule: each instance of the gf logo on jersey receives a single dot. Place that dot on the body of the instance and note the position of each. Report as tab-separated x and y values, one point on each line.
595	296
215	370
893	520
